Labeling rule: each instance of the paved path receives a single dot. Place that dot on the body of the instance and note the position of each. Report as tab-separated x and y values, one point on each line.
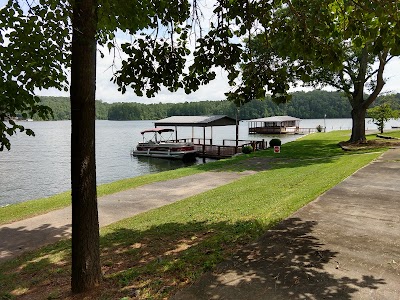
343	245
29	234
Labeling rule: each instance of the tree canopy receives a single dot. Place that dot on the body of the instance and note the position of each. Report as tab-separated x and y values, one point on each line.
338	43
33	54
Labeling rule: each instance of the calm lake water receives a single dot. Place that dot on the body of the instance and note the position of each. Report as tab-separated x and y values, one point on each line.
40	166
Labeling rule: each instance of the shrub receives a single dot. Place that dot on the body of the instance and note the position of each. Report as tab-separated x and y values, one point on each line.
247	149
275	142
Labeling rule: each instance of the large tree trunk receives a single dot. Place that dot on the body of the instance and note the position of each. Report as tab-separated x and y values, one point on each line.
358	128
357	101
86	272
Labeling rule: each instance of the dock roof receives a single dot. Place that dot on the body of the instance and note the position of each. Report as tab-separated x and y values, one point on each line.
196	121
275	119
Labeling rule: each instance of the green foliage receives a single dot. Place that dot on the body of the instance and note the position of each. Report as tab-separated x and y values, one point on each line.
332	43
304	105
34	52
392	99
275	142
61	108
247	149
381	114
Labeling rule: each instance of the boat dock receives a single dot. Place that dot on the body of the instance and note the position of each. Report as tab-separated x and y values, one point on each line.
206	148
298	130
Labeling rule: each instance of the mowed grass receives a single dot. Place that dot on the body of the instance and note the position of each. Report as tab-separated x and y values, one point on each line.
154	254
395	134
311	146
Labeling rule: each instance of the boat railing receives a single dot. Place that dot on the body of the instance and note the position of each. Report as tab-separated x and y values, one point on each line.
199	141
206	148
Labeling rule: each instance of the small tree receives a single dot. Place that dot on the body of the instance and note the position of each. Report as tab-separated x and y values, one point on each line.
381	114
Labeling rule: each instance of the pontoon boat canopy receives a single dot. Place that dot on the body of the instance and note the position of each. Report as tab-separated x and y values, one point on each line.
157	130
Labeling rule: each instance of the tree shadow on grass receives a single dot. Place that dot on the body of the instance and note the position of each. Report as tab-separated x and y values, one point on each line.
28	273
286	263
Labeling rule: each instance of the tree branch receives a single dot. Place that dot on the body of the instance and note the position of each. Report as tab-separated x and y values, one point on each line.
380	82
377	70
360	80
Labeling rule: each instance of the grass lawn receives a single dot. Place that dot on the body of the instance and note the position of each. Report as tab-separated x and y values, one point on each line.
31	208
154	254
395	134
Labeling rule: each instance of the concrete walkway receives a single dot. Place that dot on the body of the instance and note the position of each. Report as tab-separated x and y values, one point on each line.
343	245
32	233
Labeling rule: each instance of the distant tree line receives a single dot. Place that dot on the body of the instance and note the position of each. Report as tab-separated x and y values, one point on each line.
305	105
61	107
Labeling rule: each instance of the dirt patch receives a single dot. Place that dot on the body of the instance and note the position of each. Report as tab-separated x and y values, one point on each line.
370	144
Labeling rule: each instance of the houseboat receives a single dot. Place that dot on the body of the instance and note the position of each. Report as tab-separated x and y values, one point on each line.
274	125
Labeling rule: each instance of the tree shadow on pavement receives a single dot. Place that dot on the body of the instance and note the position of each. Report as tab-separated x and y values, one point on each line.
16	240
288	262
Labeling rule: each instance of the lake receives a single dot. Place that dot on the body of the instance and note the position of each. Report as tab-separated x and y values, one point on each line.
40	166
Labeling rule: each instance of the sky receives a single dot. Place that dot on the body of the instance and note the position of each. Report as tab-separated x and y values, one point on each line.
108	91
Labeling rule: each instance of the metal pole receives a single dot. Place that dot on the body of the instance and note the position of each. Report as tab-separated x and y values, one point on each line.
325	123
204	139
237	128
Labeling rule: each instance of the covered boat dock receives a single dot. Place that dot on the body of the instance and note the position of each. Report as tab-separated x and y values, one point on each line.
275	125
206	147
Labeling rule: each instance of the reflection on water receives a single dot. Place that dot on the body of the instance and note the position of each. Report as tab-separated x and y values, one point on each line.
153	164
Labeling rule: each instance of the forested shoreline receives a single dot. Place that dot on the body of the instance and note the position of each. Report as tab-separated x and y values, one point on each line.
305	105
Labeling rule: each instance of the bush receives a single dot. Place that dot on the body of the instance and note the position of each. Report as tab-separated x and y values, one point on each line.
247	149
275	142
